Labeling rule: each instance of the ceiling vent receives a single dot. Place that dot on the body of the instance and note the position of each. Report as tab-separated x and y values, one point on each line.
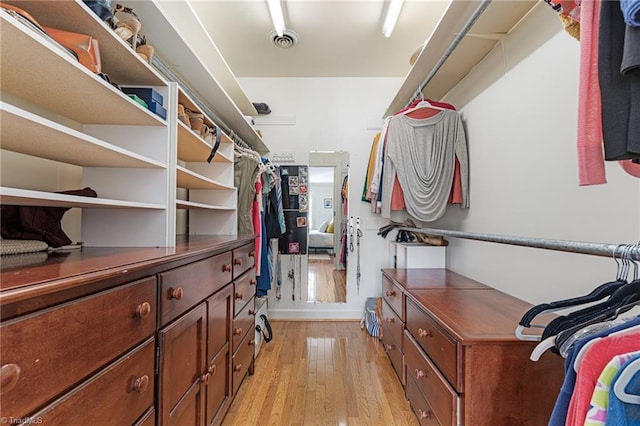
287	40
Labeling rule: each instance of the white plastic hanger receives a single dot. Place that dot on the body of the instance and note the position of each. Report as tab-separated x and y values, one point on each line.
541	347
422	104
619	387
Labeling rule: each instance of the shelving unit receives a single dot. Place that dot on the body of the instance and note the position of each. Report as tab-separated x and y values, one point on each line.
495	22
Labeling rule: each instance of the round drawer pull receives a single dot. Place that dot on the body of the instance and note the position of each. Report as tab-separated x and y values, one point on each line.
205	377
424	333
390	293
143	310
226	267
252	282
252	312
252	254
424	414
390	320
9	376
212	369
237	261
237	331
176	293
419	373
239	295
237	367
251	342
141	384
388	347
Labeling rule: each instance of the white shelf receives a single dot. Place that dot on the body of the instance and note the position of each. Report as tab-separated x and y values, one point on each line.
190	205
25	197
119	61
187	179
178	54
60	84
59	143
192	147
497	21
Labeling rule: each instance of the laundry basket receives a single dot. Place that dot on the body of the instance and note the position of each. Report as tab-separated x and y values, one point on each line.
371	320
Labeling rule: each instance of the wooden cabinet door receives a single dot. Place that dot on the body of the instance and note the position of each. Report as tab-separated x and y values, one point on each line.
220	315
182	369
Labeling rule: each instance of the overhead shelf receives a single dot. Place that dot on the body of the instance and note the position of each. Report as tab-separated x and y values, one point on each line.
190	205
465	34
169	43
192	147
25	197
190	180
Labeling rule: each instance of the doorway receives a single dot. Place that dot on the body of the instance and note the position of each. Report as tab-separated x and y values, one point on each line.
327	277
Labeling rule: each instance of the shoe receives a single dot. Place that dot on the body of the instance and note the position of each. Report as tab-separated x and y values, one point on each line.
182	116
196	119
127	24
144	50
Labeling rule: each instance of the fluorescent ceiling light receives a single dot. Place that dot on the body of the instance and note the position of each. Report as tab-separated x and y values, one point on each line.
275	9
393	11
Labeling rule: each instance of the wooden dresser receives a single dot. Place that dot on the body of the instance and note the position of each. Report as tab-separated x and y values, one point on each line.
451	341
127	336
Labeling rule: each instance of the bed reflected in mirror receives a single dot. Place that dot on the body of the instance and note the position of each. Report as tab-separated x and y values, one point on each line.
327	282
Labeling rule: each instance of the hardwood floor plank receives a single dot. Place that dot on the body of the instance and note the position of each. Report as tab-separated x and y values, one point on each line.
321	373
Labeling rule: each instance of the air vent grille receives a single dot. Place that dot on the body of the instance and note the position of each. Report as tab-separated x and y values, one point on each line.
287	40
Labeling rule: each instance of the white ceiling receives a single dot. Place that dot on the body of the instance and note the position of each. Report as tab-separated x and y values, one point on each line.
336	38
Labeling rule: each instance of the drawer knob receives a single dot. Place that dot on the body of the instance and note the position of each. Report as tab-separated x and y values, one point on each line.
237	261
388	347
237	331
176	293
390	320
9	376
252	282
424	414
226	267
141	384
237	367
239	296
212	369
251	342
205	377
390	293
424	333
143	310
252	312
419	373
252	254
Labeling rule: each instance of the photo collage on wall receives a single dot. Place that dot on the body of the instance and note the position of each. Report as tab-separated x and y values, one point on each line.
295	203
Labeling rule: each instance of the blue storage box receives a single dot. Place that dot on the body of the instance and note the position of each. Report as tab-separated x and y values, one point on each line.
146	93
157	109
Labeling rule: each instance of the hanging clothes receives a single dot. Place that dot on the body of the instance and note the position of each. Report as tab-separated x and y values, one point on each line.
246	170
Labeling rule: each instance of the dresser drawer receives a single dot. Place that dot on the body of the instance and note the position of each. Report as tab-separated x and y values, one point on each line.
394	351
242	361
244	290
243	259
243	323
393	323
121	393
419	404
186	286
47	352
393	295
437	344
148	419
441	397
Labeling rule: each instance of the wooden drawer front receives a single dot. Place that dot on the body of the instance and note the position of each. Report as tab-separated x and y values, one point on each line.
441	397
394	351
242	361
46	352
393	295
394	325
244	258
245	289
243	324
436	343
182	366
148	419
121	393
419	404
220	308
186	286
218	386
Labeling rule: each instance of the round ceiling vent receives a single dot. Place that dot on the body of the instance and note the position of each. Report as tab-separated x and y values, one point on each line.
288	39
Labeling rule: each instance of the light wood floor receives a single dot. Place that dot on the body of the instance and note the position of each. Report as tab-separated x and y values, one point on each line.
321	373
326	284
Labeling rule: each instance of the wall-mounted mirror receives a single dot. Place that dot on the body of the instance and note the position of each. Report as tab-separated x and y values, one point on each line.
328	176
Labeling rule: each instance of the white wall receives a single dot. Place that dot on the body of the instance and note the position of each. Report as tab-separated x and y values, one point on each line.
331	114
519	108
318	191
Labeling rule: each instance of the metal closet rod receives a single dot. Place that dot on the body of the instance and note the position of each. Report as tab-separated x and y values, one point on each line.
596	249
454	43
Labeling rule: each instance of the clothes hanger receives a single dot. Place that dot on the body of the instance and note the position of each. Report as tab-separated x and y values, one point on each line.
420	105
583	350
627	374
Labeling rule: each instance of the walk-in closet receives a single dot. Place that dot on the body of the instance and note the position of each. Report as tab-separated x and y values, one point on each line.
311	212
